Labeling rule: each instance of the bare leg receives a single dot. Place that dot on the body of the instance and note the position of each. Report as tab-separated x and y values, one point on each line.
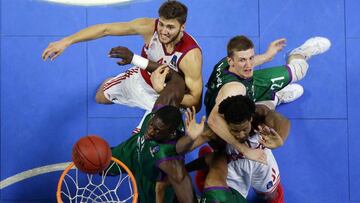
100	97
217	170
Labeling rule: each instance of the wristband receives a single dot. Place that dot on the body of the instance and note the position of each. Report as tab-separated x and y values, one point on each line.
140	61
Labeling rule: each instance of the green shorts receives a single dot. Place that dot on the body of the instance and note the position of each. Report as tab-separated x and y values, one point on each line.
268	81
221	195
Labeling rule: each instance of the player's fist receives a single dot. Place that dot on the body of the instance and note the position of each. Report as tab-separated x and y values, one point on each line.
276	46
123	53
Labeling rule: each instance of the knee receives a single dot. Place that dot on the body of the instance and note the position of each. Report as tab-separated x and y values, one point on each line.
298	69
100	95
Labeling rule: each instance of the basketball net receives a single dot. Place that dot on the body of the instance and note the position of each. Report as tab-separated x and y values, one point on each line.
77	187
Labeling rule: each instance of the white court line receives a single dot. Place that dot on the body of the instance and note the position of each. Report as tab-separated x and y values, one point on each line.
33	172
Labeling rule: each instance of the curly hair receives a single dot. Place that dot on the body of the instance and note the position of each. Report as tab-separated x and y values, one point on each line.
237	109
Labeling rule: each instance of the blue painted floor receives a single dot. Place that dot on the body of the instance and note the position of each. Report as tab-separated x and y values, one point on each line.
47	106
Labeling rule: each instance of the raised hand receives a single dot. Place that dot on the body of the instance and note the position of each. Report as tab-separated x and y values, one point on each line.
54	49
193	129
123	53
269	137
276	46
158	78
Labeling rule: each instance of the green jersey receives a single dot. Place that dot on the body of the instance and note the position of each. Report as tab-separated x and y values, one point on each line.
261	87
221	195
143	158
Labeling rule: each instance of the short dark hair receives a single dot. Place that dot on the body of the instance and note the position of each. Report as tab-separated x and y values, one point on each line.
173	10
170	116
238	43
237	109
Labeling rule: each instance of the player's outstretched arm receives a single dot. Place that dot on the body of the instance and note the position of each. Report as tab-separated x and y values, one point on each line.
140	26
179	179
273	49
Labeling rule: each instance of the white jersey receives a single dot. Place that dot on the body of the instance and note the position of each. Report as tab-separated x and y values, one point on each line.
252	142
155	51
243	173
133	87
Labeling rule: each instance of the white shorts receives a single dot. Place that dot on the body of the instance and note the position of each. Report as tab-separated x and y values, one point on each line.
243	173
130	89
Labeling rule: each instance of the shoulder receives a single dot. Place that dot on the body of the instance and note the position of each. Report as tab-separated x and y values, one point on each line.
233	88
223	63
190	48
165	150
191	62
189	42
230	89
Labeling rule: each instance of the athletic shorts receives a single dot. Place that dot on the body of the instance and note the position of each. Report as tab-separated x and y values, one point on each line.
268	81
221	195
130	89
243	173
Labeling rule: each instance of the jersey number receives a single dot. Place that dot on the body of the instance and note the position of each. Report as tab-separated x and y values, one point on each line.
274	85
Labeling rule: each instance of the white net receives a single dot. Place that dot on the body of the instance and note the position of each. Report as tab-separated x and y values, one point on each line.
79	187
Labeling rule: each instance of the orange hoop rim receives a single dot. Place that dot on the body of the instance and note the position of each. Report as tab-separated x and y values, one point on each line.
67	169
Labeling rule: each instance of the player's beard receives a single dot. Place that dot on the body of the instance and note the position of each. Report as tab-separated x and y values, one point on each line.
174	38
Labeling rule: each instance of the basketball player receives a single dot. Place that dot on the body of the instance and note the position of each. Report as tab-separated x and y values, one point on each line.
151	154
165	42
234	75
242	121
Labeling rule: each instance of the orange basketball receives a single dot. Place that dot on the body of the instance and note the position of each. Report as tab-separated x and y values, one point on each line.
91	154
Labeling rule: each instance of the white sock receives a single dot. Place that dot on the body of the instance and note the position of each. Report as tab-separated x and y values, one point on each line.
298	69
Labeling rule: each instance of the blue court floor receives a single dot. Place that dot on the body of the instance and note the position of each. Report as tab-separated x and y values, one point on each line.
47	106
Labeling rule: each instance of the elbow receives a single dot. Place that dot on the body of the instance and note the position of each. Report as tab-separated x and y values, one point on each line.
286	131
104	29
212	120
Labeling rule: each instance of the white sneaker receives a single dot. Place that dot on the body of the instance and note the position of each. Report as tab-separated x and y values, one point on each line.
312	46
289	93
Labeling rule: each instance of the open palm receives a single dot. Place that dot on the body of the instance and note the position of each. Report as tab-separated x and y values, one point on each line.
193	129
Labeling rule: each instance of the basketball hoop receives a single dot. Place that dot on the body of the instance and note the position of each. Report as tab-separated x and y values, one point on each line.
79	187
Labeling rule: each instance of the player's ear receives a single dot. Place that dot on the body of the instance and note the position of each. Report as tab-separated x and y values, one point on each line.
182	27
230	61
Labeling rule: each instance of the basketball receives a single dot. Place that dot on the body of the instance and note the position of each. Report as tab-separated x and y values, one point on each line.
91	154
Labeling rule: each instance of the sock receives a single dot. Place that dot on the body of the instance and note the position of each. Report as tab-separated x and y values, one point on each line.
298	69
